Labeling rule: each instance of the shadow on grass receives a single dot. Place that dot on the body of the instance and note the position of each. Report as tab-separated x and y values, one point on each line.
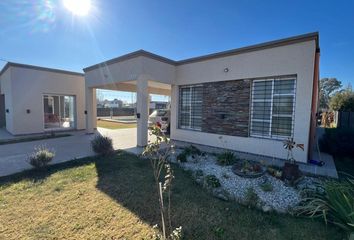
129	181
42	173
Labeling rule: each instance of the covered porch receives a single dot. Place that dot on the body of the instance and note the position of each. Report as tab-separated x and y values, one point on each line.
137	72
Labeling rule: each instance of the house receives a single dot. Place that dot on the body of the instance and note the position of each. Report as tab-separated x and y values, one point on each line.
36	99
248	99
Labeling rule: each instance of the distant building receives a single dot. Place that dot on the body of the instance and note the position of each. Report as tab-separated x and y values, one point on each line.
158	105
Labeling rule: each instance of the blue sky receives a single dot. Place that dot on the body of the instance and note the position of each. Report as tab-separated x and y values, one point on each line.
44	33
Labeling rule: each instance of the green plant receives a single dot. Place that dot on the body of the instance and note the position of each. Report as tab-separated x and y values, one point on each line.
188	151
219	232
182	157
41	156
335	205
192	150
251	198
226	158
212	181
266	187
159	161
338	141
102	145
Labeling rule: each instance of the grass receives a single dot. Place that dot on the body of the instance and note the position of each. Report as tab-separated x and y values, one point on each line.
114	125
115	198
32	138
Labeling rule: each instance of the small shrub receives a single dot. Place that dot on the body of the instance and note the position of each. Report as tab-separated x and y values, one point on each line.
182	157
41	157
226	158
212	181
266	187
251	198
192	150
188	151
102	145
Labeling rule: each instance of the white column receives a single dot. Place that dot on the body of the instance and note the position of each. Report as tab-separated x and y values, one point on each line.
91	110
142	106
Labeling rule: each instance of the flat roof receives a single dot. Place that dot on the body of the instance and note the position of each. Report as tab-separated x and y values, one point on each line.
20	65
256	47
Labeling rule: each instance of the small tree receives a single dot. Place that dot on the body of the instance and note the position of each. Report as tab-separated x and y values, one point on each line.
158	156
328	86
343	101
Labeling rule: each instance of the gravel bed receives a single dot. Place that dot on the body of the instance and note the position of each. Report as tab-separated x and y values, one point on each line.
281	198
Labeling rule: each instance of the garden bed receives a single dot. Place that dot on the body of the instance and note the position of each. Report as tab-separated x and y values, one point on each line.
273	193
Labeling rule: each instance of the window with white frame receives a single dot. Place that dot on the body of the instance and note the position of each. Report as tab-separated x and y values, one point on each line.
190	107
273	105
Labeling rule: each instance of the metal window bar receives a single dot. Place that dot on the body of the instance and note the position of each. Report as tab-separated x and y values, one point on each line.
276	118
190	107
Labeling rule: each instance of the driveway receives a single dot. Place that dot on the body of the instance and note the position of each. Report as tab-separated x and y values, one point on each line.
13	156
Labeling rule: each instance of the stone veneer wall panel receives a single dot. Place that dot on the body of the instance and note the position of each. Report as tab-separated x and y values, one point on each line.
226	107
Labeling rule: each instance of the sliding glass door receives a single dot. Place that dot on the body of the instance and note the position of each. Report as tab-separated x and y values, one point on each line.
59	112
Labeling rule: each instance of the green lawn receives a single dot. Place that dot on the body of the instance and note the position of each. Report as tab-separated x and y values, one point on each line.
114	198
114	125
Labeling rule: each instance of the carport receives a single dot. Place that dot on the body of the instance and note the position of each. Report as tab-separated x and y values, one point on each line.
141	72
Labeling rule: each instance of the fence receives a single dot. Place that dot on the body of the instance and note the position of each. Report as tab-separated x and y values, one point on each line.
117	112
345	120
106	112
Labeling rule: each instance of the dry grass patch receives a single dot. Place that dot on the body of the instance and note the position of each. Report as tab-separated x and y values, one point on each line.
114	198
114	125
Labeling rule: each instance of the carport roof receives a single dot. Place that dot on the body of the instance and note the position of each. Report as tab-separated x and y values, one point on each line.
261	46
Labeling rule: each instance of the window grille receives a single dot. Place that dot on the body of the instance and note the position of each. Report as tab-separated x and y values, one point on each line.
190	107
273	107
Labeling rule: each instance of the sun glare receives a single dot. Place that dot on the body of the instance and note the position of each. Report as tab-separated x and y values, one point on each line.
78	7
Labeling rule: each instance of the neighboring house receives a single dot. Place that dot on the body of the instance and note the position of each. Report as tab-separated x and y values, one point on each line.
248	99
115	103
158	105
37	99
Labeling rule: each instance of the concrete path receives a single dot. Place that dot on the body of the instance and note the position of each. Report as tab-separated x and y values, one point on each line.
13	157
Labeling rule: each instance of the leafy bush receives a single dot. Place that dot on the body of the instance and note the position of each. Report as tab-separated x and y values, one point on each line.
251	198
338	141
335	205
266	187
188	151
192	150
182	157
102	145
226	158
212	181
41	157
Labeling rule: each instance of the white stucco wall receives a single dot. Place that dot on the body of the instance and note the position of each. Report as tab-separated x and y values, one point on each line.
6	88
130	70
296	59
27	89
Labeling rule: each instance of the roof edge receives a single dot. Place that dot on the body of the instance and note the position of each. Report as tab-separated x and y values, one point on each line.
256	47
131	55
20	65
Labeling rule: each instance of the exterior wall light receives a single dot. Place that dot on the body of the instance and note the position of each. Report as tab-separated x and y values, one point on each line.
226	70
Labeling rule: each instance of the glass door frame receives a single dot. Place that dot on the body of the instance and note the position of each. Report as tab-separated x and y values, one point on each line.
51	95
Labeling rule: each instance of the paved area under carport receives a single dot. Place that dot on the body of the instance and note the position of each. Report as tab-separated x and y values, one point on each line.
13	157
